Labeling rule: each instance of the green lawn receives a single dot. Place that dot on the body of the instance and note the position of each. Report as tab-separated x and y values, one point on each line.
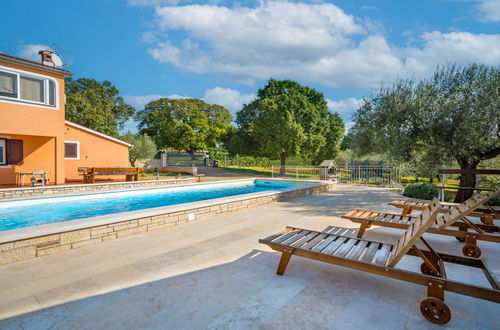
250	170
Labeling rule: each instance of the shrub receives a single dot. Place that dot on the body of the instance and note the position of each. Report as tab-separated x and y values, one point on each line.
421	190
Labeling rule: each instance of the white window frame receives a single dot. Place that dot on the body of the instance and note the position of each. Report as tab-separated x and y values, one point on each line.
77	149
46	92
4	152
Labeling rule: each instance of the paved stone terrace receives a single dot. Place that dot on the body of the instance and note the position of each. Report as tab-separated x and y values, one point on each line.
214	274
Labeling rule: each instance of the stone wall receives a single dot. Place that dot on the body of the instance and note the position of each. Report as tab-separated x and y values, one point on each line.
82	188
179	169
39	246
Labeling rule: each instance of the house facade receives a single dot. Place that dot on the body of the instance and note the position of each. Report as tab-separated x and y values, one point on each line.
34	135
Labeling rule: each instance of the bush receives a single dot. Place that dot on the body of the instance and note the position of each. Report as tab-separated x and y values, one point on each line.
421	190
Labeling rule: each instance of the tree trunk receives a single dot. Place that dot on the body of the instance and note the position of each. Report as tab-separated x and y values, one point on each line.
283	164
466	180
132	162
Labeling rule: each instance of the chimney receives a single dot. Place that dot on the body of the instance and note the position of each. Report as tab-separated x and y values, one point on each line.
47	57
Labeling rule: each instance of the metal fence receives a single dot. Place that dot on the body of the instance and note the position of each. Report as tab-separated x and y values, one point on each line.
367	175
370	175
296	172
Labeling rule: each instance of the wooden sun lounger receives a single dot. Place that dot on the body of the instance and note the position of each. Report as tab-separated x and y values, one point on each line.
487	213
442	226
382	258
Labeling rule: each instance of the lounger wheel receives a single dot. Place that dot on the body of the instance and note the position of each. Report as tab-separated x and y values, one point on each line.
470	250
426	270
460	239
435	310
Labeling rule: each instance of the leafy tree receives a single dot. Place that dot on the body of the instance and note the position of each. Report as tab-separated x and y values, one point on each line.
187	124
452	116
96	105
143	147
285	119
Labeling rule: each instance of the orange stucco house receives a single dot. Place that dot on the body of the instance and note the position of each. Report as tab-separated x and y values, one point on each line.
34	135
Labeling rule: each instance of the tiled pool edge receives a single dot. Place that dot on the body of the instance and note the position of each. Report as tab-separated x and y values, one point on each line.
7	193
23	249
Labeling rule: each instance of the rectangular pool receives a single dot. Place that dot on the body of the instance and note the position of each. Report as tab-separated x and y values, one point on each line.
33	212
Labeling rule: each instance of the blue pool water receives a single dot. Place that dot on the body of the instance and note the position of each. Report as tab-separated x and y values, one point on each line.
19	214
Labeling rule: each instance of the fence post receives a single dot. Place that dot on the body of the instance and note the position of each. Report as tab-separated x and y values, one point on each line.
297	172
272	171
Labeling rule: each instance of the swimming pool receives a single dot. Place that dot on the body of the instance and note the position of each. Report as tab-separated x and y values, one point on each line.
33	212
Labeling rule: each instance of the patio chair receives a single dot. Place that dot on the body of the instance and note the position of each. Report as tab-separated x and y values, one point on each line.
382	258
456	217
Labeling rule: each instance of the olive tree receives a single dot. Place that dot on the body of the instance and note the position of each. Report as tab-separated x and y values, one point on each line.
455	115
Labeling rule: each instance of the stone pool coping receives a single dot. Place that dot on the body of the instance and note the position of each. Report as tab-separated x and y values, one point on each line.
47	191
30	242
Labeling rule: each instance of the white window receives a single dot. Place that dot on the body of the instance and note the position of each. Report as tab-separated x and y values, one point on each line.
71	150
3	154
27	87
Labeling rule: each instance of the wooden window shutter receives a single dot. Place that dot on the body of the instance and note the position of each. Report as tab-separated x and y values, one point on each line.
70	150
15	155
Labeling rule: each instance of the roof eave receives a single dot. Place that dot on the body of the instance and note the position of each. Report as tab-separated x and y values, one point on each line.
31	64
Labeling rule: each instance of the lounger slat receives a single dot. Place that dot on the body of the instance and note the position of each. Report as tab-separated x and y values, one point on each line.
407	219
345	248
383	254
334	245
286	236
370	252
358	214
409	233
341	231
396	219
275	236
324	243
296	237
298	243
328	229
350	213
366	214
355	252
314	241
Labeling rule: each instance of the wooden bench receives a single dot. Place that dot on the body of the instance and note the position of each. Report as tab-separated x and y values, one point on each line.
381	259
89	173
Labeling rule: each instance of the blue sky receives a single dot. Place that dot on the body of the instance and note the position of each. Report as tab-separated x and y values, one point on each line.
223	51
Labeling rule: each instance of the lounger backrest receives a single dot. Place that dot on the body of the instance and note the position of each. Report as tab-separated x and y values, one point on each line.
414	232
465	208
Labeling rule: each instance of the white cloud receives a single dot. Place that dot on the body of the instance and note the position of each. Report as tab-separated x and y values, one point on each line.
139	101
313	43
489	10
345	108
30	52
230	99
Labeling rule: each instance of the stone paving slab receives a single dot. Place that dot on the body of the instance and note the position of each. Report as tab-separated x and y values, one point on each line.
213	274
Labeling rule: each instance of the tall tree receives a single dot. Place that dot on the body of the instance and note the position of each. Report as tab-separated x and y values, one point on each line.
186	124
286	119
453	115
96	105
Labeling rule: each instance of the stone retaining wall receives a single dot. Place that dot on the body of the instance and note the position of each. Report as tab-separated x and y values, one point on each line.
180	169
38	246
82	188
